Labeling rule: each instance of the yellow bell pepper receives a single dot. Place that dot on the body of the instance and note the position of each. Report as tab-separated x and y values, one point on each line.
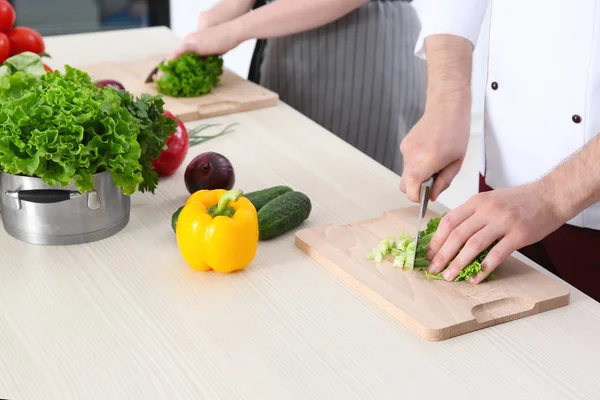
218	230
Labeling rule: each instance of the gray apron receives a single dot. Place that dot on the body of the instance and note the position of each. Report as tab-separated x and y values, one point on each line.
357	77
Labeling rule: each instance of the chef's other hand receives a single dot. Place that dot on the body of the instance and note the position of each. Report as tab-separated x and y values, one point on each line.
204	21
437	143
514	217
213	40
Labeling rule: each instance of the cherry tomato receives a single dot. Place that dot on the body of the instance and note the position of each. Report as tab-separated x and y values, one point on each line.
47	68
7	16
177	147
24	39
4	47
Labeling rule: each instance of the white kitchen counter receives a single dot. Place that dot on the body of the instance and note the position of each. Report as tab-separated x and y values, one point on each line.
126	319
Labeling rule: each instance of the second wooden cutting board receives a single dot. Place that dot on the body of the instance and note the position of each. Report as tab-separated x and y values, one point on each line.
233	94
436	310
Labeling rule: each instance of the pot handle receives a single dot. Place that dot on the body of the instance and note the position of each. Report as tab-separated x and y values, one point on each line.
44	196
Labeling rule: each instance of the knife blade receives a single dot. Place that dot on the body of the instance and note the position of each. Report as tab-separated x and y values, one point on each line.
150	77
425	193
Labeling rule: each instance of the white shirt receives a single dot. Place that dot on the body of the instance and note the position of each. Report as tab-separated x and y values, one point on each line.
542	99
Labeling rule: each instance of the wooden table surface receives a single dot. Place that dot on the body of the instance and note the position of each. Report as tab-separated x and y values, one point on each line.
125	318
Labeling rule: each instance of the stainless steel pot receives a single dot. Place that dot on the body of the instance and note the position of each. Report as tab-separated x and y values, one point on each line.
41	214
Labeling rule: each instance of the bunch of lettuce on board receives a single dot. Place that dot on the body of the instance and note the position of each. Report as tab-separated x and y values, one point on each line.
189	75
401	252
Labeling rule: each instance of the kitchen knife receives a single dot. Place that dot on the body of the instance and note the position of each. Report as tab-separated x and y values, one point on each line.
150	77
425	193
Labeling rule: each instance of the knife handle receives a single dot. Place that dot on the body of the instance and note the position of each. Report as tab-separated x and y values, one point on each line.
426	188
429	182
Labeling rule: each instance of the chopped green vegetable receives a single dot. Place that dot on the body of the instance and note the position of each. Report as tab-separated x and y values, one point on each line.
432	226
401	251
189	75
400	260
63	129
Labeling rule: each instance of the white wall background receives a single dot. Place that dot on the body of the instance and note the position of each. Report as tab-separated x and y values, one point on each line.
184	14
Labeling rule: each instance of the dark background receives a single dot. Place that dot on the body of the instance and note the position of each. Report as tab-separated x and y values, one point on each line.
58	17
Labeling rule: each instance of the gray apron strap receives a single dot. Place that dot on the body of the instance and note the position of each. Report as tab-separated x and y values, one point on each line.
259	49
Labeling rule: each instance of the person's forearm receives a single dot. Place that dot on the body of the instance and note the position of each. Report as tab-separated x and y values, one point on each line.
575	184
286	17
449	63
224	11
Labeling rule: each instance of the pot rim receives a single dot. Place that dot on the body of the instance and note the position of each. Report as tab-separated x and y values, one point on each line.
40	179
37	182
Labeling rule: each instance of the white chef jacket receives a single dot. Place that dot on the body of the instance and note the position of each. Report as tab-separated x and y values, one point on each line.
542	96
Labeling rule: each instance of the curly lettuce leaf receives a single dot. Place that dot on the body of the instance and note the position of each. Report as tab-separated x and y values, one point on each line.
466	274
62	129
432	226
155	129
189	75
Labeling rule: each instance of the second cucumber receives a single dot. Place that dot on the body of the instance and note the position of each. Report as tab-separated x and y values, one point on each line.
260	198
282	214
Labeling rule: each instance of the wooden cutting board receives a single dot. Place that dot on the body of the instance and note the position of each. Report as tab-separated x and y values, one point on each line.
435	310
233	94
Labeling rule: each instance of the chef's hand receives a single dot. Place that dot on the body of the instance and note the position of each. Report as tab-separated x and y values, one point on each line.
437	143
205	21
516	217
213	40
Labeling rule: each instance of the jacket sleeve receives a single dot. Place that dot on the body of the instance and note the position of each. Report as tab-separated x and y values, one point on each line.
454	17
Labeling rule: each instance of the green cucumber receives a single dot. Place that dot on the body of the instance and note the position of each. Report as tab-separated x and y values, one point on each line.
282	214
260	198
174	219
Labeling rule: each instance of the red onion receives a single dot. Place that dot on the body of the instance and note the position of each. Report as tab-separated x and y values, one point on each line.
209	171
109	82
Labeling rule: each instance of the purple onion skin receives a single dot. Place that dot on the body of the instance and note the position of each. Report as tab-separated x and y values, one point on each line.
209	171
109	82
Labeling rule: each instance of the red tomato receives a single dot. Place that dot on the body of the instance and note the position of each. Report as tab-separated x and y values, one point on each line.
4	47
47	68
25	39
7	16
177	147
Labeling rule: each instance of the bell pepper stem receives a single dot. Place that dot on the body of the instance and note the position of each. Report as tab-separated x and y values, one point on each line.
222	207
232	195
